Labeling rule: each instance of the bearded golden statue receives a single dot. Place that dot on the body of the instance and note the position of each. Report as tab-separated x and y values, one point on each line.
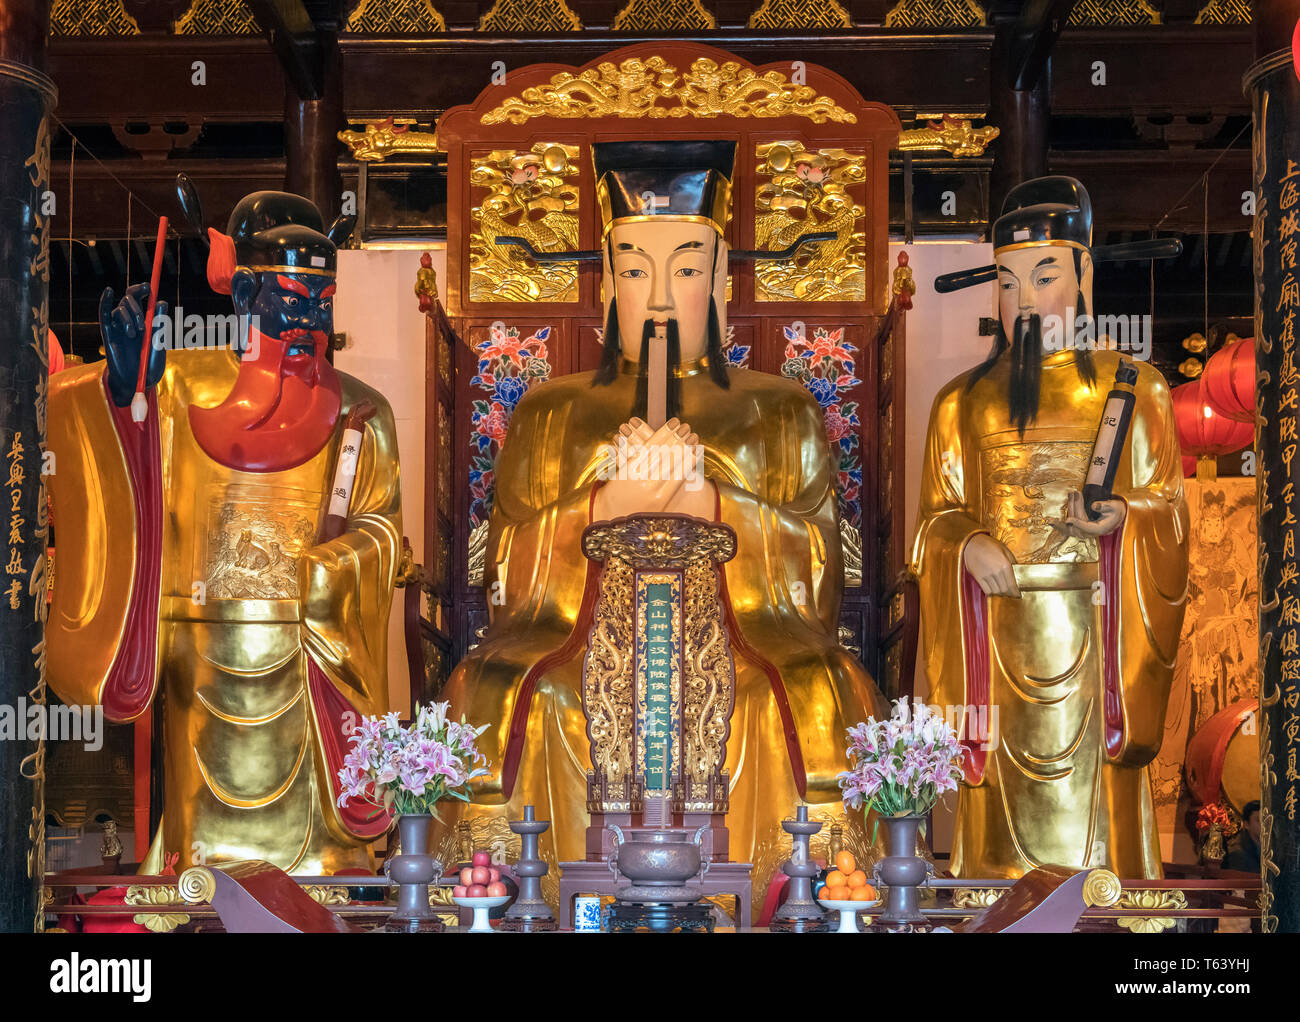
755	458
200	558
1050	625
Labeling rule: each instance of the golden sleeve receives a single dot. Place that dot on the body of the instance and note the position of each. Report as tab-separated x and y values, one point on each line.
347	583
534	575
946	521
789	556
95	537
1152	571
536	515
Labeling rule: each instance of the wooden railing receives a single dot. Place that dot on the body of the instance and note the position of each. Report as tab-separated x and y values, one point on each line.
167	903
1141	906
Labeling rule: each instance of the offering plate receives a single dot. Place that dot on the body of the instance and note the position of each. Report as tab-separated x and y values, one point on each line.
481	907
848	911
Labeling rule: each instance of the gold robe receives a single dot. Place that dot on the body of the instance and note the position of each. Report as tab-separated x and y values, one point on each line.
1078	670
766	451
246	597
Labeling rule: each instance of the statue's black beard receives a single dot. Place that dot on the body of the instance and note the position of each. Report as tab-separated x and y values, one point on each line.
673	406
1026	354
1026	371
608	369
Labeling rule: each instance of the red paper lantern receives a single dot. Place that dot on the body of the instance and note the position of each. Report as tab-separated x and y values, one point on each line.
1229	381
1295	49
1202	432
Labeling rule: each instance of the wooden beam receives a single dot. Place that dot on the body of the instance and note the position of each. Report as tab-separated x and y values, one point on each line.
101	202
1161	69
412	77
1135	191
293	37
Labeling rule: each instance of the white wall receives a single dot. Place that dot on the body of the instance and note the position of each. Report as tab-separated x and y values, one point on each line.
943	340
378	310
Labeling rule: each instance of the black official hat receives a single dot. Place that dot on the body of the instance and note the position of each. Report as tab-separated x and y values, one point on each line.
1052	210
676	180
1045	211
280	231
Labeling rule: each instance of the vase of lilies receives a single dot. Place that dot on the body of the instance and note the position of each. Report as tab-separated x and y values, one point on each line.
408	771
899	769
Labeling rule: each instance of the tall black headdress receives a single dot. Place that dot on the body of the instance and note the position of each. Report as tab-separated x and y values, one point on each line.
281	232
679	180
1052	210
267	231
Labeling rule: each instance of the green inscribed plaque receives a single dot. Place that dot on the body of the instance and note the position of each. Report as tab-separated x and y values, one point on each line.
658	653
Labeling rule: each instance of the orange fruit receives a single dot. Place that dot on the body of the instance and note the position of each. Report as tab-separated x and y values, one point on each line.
857	878
837	893
845	863
836	879
824	894
861	894
871	893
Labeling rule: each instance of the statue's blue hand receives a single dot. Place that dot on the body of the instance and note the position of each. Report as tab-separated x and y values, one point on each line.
121	328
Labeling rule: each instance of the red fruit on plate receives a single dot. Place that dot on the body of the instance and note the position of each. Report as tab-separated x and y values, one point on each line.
494	874
466	876
497	890
459	891
476	891
482	859
481	875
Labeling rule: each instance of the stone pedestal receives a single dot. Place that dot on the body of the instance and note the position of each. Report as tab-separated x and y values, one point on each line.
585	877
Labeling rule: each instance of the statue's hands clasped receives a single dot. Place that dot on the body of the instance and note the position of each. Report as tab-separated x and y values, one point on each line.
991	565
1080	526
651	471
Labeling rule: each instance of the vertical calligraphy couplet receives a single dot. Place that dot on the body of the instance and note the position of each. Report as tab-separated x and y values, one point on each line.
1275	95
26	99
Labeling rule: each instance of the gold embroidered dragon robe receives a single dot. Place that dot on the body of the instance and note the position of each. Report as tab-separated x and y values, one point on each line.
176	572
1065	689
797	689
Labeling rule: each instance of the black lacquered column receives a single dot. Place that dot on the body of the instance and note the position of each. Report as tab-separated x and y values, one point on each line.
1274	92
26	99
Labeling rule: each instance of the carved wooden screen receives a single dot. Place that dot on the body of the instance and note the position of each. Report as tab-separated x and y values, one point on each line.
813	156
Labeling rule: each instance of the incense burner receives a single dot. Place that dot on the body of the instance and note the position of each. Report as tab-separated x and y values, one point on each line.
661	857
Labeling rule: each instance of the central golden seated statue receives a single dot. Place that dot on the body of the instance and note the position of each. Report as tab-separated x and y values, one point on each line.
766	473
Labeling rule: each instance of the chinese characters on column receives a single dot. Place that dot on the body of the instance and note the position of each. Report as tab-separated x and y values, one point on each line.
14	570
1275	95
